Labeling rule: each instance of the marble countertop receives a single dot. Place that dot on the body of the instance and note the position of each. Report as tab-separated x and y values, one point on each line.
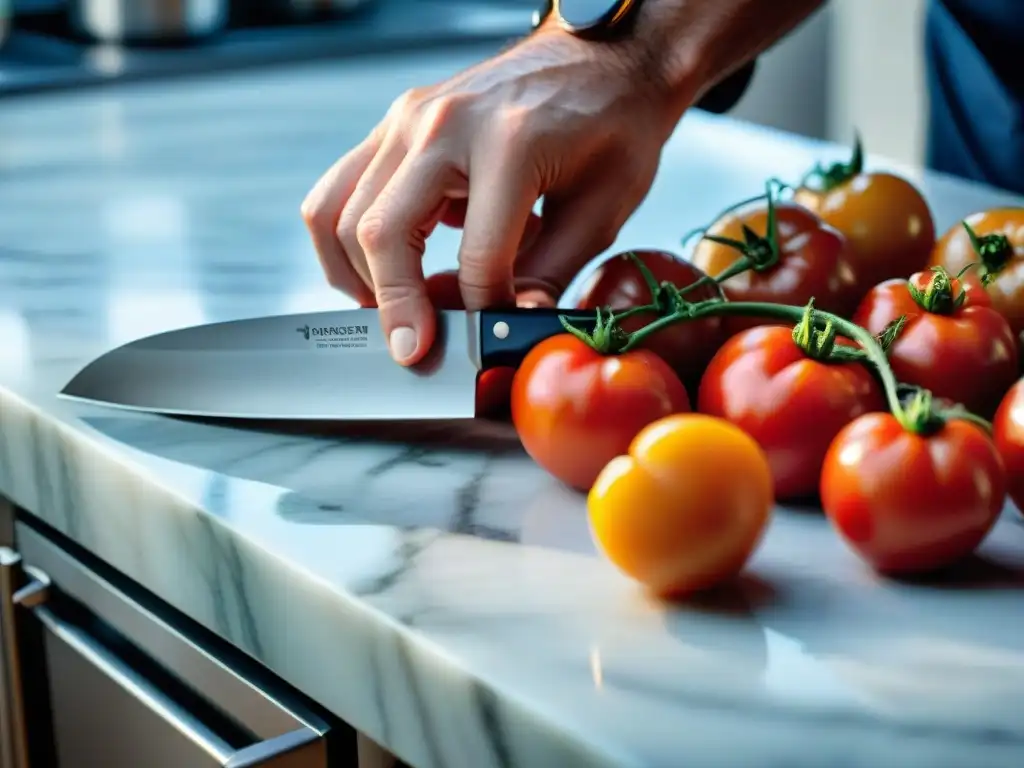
432	586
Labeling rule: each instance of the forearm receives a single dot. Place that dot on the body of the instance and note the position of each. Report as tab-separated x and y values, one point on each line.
693	44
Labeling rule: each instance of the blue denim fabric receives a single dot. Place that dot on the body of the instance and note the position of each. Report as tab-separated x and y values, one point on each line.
975	76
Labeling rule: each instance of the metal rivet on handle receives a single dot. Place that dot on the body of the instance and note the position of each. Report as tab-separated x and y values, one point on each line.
500	330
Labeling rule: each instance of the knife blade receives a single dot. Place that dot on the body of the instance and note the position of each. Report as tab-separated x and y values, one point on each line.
322	366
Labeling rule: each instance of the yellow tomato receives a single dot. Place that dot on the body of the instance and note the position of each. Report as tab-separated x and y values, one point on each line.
686	508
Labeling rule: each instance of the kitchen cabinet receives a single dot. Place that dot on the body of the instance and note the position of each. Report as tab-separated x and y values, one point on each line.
95	673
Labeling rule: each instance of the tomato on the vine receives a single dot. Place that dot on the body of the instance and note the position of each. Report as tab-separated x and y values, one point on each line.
792	404
813	260
999	236
908	502
686	507
618	283
1008	430
953	344
884	216
576	409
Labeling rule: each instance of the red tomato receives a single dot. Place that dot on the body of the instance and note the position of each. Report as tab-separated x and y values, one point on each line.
618	284
575	410
814	262
792	405
884	216
910	503
1008	430
954	251
966	354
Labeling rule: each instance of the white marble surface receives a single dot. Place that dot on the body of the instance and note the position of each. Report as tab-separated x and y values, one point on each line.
435	589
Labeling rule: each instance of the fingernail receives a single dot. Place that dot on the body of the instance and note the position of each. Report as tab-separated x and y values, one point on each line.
402	342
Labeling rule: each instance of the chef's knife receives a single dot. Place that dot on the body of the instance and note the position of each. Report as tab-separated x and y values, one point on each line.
322	366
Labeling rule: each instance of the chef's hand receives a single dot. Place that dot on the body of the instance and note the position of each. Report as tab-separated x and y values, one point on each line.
582	125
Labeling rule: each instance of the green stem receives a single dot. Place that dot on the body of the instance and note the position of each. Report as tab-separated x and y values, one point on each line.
790	314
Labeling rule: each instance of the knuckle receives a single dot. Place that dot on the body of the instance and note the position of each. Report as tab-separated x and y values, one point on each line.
436	117
514	124
405	104
314	212
371	231
346	229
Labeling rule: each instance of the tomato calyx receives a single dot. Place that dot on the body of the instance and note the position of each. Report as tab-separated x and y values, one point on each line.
938	297
823	178
816	337
994	252
757	252
607	338
888	335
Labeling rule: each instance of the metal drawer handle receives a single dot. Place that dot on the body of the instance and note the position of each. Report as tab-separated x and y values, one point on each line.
278	751
264	754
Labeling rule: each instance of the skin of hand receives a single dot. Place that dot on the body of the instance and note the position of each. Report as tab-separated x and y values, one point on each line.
578	123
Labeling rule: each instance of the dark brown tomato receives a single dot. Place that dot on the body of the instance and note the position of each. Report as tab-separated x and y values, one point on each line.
814	262
686	346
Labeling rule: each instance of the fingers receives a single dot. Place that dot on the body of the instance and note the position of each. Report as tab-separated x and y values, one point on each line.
575	228
392	234
375	178
321	211
501	199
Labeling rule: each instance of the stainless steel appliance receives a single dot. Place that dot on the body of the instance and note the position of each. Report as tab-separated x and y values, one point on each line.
117	21
95	676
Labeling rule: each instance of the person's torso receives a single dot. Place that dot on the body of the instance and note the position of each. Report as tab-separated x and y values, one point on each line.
976	89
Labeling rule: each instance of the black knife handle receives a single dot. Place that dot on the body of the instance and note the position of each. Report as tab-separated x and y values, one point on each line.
507	335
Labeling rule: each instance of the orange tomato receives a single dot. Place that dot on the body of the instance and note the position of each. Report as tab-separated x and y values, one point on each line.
686	507
954	252
885	218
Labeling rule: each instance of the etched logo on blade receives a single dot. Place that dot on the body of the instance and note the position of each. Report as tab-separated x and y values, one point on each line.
335	336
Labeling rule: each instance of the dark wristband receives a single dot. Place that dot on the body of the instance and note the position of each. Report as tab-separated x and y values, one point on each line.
726	94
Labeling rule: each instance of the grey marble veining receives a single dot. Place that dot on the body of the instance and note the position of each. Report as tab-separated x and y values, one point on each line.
429	584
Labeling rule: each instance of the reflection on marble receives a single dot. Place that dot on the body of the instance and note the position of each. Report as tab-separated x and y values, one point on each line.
428	583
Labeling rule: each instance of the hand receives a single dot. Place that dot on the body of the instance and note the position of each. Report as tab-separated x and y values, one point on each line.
578	123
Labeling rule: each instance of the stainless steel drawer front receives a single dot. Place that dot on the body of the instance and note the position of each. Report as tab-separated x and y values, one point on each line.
203	672
106	713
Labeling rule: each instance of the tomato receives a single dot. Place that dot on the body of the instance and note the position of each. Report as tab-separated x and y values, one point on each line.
954	251
1008	429
814	261
575	409
617	283
686	507
907	502
791	404
966	354
884	216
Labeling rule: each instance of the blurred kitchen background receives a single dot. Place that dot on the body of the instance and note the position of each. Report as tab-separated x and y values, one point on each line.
857	62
